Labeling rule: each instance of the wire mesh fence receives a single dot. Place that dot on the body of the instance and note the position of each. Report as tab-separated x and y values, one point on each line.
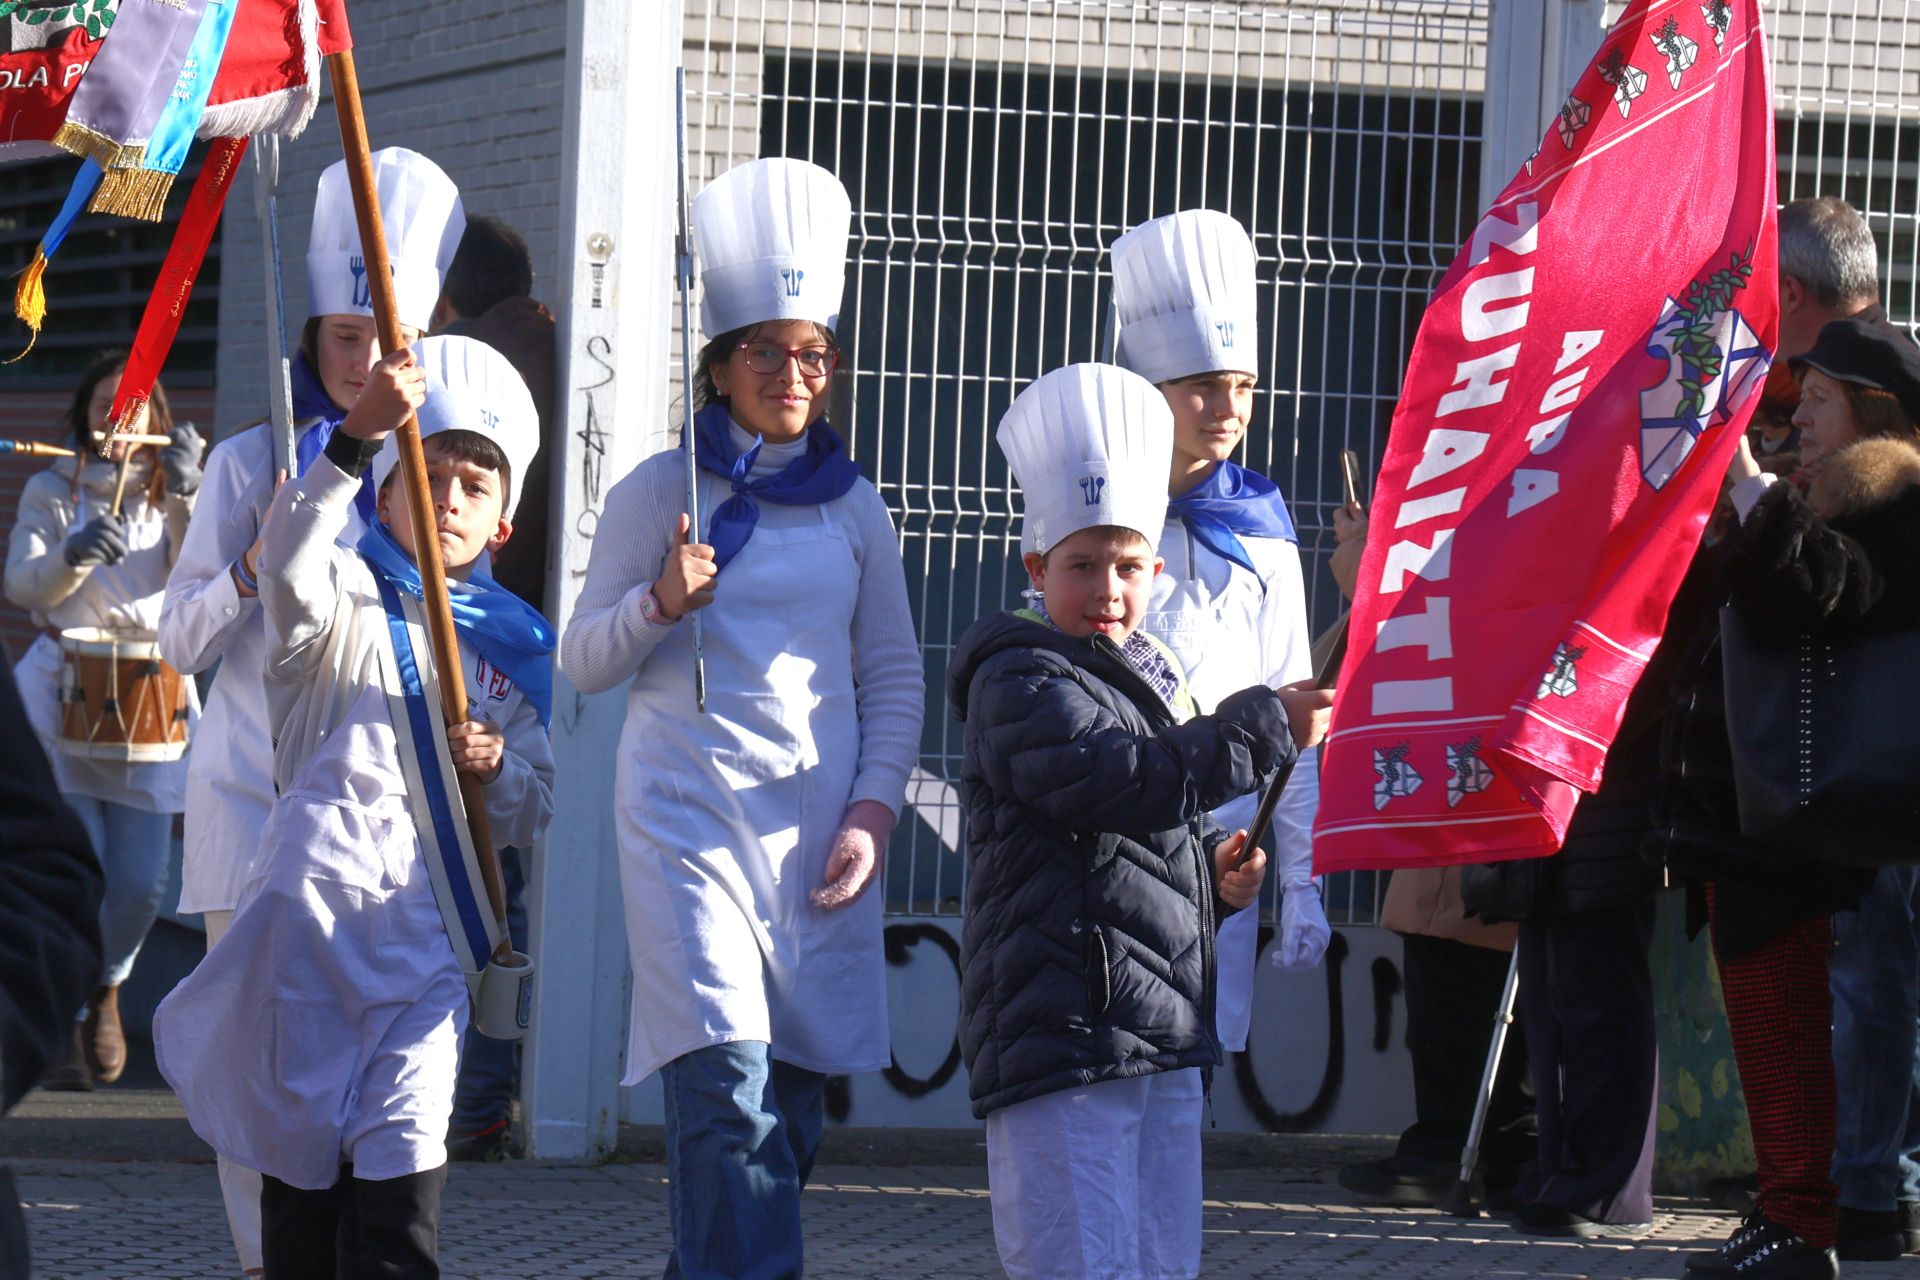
994	149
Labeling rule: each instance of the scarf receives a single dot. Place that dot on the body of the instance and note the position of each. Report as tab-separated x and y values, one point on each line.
1231	502
1143	653
312	404
509	632
821	474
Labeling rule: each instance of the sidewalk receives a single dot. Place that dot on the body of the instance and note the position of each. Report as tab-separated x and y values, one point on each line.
146	1203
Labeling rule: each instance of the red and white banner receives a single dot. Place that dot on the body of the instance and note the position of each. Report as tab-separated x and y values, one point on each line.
1577	386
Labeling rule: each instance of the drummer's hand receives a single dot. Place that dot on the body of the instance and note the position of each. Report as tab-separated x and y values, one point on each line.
101	541
686	579
477	747
854	863
180	460
394	388
1238	882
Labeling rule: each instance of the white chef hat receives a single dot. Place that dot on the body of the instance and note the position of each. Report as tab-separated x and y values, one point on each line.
772	239
1183	288
420	208
472	387
1089	446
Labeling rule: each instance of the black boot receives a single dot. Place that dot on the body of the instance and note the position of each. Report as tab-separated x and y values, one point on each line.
1871	1235
391	1228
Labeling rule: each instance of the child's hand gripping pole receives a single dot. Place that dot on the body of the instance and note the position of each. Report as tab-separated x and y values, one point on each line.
1308	716
413	474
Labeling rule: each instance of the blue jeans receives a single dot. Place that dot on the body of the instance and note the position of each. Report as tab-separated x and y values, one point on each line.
489	1068
133	847
1875	972
742	1132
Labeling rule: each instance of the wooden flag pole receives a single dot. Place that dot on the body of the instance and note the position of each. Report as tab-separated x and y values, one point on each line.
413	470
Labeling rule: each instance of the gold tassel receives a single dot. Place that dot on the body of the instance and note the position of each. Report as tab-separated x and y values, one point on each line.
30	299
96	146
133	193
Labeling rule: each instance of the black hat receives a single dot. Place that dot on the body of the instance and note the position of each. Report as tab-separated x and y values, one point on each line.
1867	355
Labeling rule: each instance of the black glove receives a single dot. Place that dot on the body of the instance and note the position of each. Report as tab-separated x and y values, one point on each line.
104	541
180	461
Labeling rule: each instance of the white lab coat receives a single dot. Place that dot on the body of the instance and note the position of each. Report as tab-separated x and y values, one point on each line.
326	1026
1230	635
815	695
206	620
115	597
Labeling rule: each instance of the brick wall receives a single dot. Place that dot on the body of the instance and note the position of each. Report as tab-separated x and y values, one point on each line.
477	86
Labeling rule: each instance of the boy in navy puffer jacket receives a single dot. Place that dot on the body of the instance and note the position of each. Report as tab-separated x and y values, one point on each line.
1096	879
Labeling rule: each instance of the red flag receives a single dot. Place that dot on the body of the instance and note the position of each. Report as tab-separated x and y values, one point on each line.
269	78
1577	386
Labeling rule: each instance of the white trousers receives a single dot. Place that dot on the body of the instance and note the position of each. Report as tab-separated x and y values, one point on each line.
1099	1183
239	1185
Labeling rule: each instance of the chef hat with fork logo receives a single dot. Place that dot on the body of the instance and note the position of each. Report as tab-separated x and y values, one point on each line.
1089	446
771	236
422	216
1183	286
472	387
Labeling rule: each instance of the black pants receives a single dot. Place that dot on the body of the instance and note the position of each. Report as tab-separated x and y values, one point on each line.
354	1230
1586	1000
1453	991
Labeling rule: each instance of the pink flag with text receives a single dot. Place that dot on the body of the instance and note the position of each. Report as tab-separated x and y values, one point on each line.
1576	388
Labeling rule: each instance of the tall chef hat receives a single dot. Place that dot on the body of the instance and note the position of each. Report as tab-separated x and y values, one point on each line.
420	208
772	239
1089	446
1183	287
472	387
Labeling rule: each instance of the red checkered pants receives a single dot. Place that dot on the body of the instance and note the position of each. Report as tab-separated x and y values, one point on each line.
1780	1009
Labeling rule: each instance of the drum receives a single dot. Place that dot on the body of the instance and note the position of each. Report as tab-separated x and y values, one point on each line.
119	700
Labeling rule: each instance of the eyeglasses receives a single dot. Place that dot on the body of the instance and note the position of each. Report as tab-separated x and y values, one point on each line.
768	357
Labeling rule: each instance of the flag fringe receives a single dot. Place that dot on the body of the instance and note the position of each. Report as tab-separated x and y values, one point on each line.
284	111
30	300
133	193
91	144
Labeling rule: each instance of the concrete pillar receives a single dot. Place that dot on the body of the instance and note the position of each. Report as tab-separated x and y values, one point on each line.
1536	49
615	308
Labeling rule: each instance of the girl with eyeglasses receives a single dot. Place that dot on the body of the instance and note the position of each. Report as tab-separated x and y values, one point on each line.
751	834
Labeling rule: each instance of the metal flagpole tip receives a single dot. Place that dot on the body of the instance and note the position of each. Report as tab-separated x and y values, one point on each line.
1459	1203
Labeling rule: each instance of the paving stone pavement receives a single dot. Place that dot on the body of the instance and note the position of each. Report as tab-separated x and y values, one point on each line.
132	1220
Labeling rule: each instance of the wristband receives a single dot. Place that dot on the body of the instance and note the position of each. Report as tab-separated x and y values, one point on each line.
351	454
244	578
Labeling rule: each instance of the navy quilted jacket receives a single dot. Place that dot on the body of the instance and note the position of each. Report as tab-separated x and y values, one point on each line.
1087	950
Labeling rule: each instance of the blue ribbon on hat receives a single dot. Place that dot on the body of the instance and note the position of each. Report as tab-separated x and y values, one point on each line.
513	635
311	401
1228	504
821	474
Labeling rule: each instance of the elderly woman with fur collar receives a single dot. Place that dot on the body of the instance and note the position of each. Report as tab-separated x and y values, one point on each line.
1833	550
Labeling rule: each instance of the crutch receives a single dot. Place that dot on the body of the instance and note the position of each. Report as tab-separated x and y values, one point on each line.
1459	1201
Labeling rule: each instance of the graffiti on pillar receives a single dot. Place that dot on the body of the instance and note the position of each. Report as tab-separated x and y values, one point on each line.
593	441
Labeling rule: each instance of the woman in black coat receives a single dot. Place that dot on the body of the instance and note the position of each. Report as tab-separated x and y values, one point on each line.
1835	551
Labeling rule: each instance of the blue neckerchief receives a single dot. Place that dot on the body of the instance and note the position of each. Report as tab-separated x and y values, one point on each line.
821	474
311	401
1230	502
509	632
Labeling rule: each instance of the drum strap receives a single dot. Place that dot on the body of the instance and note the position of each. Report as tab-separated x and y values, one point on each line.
433	792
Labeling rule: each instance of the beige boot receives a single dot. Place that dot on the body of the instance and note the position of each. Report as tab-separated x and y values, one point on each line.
106	1041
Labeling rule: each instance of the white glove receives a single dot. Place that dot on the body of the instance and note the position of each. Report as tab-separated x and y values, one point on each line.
1304	933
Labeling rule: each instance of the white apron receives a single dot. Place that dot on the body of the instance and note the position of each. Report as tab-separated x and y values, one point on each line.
726	821
326	1025
1225	632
